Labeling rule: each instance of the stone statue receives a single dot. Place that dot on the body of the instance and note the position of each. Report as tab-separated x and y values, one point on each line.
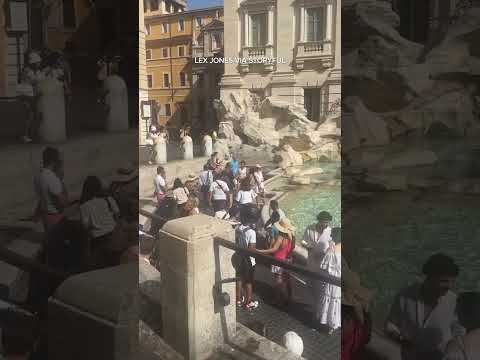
187	146
161	150
207	146
52	107
116	100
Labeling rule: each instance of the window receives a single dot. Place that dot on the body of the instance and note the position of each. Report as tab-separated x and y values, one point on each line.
150	81
259	30
199	21
181	51
181	25
147	29
217	14
168	7
314	24
69	20
183	79
149	54
312	99
216	41
164	27
145	6
166	80
153	5
165	52
200	80
168	110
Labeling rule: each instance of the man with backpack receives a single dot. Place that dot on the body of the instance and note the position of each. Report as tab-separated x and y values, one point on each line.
246	238
205	180
220	195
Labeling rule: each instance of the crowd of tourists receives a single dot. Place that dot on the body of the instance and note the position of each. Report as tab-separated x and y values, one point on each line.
95	236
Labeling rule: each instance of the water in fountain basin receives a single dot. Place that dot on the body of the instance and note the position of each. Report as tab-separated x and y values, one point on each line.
302	203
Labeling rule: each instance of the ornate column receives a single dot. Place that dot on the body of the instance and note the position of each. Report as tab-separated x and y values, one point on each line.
246	29
302	24
328	32
270	25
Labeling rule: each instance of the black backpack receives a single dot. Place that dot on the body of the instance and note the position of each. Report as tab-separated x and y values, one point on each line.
240	260
206	187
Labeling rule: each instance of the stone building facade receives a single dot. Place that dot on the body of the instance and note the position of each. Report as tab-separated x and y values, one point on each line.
304	39
172	36
207	73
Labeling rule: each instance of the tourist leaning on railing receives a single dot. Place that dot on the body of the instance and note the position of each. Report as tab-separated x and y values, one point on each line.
282	248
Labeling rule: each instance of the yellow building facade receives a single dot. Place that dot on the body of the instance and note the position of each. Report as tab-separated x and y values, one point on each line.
169	41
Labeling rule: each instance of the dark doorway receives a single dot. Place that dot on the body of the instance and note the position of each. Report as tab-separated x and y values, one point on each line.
312	103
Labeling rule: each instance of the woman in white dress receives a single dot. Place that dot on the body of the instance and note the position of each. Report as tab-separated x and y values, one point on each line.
329	301
116	100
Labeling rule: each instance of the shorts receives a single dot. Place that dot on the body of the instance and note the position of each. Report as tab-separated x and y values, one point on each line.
246	273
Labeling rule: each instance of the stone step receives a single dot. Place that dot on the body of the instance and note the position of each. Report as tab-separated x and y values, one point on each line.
15	280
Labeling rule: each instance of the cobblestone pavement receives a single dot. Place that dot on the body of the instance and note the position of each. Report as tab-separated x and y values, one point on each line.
274	323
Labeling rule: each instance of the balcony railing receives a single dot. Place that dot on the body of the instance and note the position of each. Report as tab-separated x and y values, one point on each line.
314	50
256	51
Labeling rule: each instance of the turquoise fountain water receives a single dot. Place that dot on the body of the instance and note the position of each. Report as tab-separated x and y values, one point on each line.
303	203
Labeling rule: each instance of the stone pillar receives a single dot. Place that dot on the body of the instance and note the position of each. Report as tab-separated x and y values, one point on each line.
52	106
302	24
270	25
187	146
328	33
247	32
193	323
207	145
161	150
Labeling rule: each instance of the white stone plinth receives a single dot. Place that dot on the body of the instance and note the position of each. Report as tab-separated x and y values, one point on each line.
207	146
117	101
161	151
193	324
52	128
187	146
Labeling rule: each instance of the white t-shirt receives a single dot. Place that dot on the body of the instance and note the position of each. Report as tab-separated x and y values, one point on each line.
250	237
242	173
219	190
97	217
48	186
181	195
318	243
159	182
246	197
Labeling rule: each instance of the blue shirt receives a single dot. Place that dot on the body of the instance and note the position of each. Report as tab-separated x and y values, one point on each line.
234	166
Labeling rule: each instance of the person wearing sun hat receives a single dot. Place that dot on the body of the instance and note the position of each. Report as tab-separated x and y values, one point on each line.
282	248
356	320
317	239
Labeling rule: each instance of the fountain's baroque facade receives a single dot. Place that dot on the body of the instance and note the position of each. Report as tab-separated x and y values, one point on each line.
282	77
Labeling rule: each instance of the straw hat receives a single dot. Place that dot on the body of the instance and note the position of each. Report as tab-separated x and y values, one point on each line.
353	293
192	177
285	226
258	166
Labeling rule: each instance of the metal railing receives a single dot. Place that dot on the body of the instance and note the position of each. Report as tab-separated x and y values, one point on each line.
262	258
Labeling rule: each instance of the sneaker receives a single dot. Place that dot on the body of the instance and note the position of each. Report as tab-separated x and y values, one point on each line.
251	305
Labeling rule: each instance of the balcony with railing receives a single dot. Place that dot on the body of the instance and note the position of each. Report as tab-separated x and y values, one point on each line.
322	51
252	55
